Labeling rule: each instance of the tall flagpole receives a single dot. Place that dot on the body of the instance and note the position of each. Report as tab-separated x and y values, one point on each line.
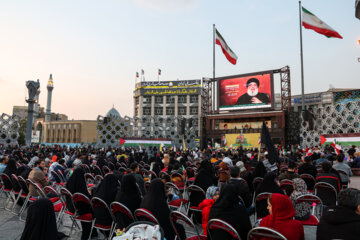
213	98
302	63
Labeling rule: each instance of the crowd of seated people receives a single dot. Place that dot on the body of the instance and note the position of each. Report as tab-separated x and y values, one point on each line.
231	185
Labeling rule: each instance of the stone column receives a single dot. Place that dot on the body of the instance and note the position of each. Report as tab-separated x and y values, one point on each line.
32	87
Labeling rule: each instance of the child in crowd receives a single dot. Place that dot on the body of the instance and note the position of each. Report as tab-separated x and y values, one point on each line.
212	194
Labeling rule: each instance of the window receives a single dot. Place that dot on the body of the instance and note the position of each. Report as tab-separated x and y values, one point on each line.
137	101
158	111
194	110
147	100
158	99
194	99
147	111
181	110
182	99
170	99
170	111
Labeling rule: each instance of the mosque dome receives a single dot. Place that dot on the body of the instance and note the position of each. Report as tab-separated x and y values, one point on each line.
113	113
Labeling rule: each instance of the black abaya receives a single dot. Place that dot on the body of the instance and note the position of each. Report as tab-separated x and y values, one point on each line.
40	222
228	209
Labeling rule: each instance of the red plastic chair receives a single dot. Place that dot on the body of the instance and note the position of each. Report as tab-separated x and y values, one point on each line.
314	201
287	186
193	207
17	190
24	195
143	214
309	180
261	197
106	170
178	203
69	209
78	198
7	188
98	179
258	233
326	187
256	182
90	180
120	210
59	207
61	176
99	203
218	224
179	217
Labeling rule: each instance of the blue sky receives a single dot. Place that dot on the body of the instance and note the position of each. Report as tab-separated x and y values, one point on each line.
93	48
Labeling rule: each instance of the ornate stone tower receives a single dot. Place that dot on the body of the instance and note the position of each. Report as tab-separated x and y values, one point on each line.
50	87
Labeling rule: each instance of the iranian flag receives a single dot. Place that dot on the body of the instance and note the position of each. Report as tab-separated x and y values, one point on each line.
229	54
310	21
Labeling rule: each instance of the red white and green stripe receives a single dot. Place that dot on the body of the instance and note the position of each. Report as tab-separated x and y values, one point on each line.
229	54
310	21
133	142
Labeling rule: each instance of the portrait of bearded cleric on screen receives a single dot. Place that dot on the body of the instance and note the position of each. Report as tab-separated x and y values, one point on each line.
252	95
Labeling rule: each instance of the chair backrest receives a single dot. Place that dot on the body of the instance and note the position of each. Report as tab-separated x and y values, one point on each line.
98	179
56	177
89	178
118	208
80	198
61	176
161	174
261	197
143	213
97	170
218	224
122	169
287	186
309	180
23	185
7	181
176	217
199	193
257	181
15	183
264	232
173	188
106	170
99	203
49	189
152	174
67	197
324	186
310	198
37	187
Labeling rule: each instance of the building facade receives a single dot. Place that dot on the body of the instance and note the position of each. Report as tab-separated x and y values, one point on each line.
68	131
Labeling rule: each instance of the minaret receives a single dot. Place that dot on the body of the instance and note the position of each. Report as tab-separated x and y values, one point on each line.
50	87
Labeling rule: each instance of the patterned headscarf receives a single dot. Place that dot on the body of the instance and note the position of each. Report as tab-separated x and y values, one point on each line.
210	192
302	209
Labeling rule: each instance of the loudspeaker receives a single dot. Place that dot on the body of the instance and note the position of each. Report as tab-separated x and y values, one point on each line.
357	9
190	122
105	120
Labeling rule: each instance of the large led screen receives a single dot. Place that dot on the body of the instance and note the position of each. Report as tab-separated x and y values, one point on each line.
247	92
